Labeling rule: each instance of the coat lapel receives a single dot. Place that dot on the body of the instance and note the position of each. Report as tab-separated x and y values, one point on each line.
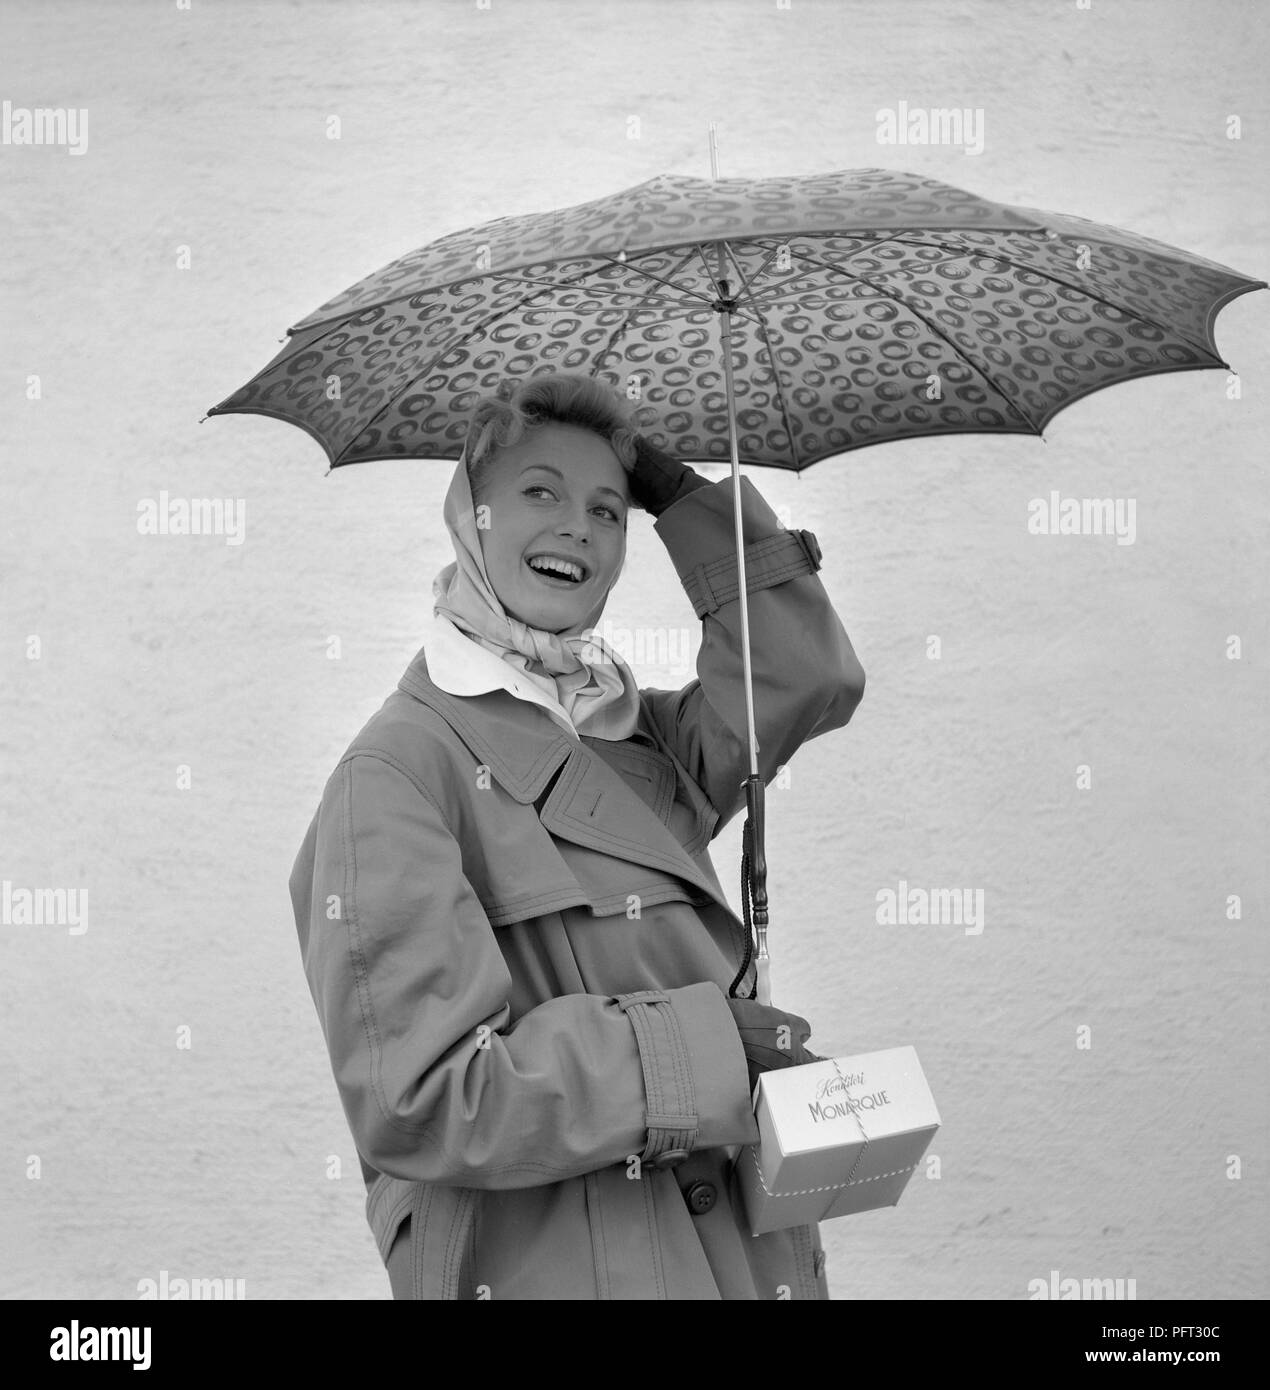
592	804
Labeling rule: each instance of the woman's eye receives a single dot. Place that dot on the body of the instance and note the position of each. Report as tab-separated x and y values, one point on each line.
539	487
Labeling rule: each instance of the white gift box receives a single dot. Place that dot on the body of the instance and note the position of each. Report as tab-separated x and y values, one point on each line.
836	1137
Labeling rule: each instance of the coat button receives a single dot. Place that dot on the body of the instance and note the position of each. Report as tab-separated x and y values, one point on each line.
701	1197
672	1158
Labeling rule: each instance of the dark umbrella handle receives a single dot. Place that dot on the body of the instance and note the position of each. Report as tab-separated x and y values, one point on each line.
754	884
754	848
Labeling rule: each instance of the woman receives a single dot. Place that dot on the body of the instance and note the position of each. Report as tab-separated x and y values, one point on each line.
518	948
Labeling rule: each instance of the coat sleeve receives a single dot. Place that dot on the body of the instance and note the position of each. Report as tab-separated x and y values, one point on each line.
438	1082
807	679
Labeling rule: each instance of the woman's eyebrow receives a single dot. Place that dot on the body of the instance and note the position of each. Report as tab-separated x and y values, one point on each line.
547	468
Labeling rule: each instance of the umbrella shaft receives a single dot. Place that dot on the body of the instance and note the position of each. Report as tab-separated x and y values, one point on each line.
726	319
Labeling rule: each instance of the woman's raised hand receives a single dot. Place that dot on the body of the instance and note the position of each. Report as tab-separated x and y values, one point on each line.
657	480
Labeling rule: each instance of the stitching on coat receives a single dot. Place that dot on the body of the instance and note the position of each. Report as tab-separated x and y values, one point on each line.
557	897
706	814
397	1213
638	1014
664	779
420	1217
454	716
654	1245
456	1240
478	1218
664	861
448	1290
682	1068
361	973
713	583
603	1284
754	584
383	755
375	1196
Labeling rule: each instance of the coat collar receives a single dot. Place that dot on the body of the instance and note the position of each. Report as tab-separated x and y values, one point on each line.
520	743
593	803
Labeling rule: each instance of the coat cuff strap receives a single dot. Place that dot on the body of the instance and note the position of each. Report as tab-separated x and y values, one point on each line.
670	1098
769	561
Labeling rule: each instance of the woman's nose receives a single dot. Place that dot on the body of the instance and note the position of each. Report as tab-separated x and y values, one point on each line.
576	525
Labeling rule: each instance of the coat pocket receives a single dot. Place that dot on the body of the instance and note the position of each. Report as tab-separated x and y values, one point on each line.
425	1234
388	1204
399	1262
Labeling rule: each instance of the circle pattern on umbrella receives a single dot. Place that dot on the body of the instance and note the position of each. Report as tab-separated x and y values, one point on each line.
839	340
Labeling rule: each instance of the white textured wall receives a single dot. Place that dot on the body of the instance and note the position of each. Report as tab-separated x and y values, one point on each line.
1103	907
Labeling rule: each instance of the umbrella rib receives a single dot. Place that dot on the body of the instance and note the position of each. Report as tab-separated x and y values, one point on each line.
1067	284
700	250
348	313
776	376
705	265
706	303
872	246
591	288
798	275
960	351
625	324
648	274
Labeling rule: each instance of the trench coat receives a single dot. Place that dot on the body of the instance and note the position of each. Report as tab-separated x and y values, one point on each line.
519	952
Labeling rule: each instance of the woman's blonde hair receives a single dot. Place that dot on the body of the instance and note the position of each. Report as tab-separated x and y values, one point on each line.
517	408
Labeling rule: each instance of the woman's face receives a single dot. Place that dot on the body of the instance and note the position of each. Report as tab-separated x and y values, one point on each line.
560	493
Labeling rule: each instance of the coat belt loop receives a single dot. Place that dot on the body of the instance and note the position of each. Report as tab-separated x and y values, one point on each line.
771	560
810	547
670	1098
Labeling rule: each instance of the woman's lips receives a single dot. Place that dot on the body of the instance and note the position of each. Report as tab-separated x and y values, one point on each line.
555	580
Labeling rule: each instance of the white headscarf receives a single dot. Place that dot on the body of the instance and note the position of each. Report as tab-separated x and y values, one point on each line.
577	668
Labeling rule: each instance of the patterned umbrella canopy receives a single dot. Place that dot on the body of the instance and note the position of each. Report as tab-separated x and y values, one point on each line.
866	305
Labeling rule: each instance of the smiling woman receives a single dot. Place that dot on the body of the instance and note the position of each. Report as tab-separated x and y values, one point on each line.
537	513
552	524
519	950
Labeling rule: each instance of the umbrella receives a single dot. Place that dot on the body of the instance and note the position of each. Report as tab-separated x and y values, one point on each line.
852	308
